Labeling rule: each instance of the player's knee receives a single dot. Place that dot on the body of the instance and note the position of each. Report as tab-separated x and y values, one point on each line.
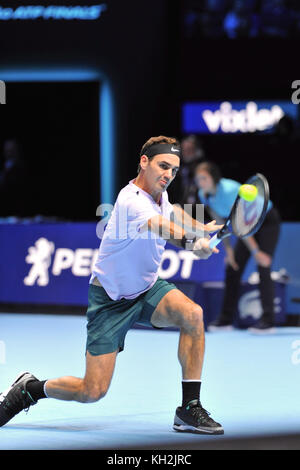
94	393
197	315
194	317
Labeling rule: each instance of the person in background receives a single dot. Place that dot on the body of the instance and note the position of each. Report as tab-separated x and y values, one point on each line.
184	190
218	194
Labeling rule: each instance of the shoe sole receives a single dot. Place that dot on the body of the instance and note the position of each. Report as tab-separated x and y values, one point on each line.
220	328
199	430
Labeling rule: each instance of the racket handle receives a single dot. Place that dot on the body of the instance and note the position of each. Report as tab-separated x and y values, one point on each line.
214	241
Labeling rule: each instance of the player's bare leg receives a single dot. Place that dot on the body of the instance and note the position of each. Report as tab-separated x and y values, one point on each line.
27	389
94	385
175	309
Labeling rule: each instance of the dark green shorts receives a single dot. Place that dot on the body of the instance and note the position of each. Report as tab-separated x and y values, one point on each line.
109	320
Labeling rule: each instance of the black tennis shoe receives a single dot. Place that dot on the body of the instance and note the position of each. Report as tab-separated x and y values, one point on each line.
194	418
16	398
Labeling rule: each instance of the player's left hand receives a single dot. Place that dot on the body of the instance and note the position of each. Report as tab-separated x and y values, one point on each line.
212	226
202	249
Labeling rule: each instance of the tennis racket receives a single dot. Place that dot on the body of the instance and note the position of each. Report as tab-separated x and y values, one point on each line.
245	217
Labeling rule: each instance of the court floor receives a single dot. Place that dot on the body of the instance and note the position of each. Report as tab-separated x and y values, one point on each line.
250	384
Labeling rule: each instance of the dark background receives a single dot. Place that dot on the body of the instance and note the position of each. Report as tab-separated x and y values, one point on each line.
153	66
57	127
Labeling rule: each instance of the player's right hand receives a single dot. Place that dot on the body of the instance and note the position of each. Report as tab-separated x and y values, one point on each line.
202	250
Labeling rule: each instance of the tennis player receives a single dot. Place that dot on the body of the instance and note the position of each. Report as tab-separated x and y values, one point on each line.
218	194
125	289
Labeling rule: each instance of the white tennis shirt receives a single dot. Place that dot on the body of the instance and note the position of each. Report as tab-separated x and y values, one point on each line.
128	259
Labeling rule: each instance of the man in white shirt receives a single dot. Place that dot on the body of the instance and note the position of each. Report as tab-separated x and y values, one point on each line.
125	289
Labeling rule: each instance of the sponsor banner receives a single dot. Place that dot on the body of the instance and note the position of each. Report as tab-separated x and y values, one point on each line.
46	263
235	116
52	263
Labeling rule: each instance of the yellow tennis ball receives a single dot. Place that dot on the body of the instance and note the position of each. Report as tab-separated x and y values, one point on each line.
248	192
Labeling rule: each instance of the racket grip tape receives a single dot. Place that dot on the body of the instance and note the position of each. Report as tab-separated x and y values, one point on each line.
214	241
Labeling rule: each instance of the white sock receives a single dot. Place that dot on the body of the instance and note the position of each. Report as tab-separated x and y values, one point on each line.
45	390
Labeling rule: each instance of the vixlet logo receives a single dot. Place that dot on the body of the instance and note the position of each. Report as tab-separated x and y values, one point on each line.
40	258
251	119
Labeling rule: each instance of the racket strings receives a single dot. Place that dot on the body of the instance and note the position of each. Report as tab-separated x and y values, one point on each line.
248	213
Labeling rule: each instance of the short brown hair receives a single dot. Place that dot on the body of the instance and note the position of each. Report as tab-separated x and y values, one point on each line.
161	139
212	169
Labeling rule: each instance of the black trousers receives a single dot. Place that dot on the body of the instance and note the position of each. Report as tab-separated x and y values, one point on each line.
266	237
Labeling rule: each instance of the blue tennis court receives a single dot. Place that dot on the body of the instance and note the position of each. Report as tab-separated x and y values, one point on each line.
250	384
